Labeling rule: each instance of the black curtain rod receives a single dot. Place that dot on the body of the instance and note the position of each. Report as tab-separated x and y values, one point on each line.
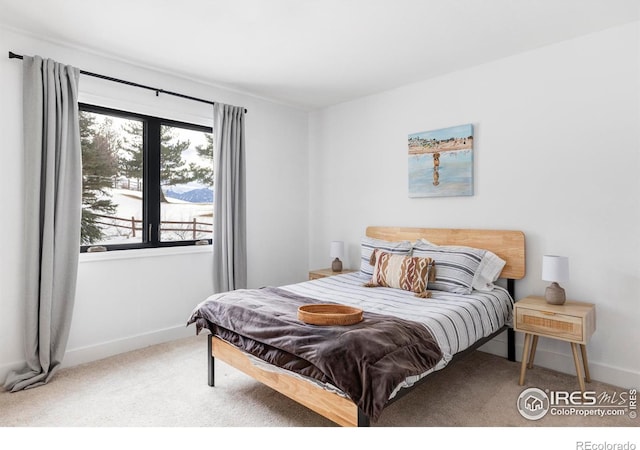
131	83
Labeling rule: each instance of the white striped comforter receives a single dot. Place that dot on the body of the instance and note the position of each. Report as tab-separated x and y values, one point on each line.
456	321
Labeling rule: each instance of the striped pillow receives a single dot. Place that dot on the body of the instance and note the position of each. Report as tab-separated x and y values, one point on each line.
456	266
409	273
368	245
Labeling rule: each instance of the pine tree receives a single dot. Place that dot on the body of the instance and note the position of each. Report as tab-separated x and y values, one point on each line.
130	162
203	173
173	169
99	166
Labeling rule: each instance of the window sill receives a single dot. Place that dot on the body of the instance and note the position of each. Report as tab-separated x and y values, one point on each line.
144	253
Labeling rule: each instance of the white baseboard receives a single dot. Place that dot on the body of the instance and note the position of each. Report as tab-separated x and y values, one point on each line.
561	362
81	355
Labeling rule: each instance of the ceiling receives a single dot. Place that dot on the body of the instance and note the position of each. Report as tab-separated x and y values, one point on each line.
311	53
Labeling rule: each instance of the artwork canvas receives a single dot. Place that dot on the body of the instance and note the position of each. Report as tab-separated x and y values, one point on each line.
441	162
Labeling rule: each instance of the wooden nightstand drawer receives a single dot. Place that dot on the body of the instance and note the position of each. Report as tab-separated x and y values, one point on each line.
552	324
573	321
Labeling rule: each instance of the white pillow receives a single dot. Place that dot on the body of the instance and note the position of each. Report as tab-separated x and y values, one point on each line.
488	272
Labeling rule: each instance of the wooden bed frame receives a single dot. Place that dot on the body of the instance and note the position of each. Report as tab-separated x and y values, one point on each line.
508	245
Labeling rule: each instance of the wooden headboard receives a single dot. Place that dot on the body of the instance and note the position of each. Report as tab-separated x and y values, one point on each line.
507	244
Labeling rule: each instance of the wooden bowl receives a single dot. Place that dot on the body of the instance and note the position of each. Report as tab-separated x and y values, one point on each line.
329	314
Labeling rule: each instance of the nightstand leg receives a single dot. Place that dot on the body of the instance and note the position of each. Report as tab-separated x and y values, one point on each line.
576	360
532	355
585	362
525	357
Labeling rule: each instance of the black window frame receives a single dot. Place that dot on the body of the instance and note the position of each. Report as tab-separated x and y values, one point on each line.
151	154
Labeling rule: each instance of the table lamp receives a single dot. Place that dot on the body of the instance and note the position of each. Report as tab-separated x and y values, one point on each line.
555	269
337	252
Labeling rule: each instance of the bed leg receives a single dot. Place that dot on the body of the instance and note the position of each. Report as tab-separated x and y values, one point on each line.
211	361
511	344
511	334
363	419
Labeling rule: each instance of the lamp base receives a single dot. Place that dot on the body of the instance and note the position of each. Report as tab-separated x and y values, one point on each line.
555	294
336	265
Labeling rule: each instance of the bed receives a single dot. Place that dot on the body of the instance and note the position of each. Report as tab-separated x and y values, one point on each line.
255	332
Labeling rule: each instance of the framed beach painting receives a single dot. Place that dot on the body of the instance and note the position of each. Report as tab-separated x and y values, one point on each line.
441	162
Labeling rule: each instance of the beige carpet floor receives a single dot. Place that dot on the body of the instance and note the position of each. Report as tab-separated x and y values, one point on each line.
166	386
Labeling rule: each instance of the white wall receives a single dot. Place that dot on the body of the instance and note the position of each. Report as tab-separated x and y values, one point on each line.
130	299
556	155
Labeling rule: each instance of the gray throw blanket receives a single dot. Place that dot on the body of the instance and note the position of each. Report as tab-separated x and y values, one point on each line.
367	361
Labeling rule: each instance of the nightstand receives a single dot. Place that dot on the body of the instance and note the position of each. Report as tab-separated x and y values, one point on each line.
573	322
321	273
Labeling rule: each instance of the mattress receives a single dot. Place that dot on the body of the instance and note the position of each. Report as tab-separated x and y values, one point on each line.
456	321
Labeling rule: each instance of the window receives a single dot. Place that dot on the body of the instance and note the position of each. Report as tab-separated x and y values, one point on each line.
147	181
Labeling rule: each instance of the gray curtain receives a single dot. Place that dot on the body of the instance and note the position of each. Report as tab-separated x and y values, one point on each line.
229	216
53	197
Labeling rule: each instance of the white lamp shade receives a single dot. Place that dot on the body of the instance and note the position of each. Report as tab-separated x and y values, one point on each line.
337	249
555	268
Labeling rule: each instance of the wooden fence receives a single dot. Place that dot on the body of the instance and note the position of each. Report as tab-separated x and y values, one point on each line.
131	184
192	227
